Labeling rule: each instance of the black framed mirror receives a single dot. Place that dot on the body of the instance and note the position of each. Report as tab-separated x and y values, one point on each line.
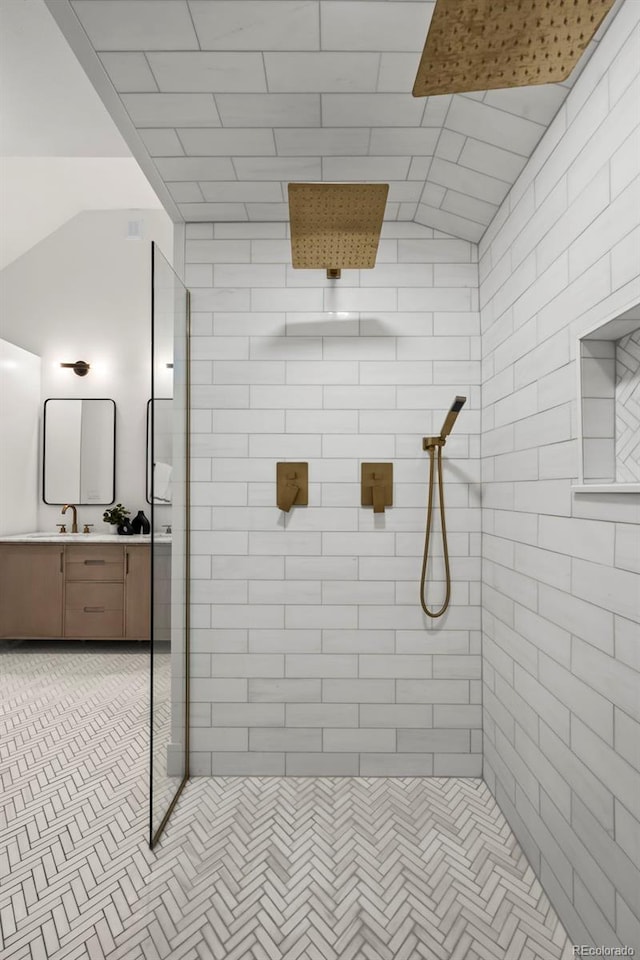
79	451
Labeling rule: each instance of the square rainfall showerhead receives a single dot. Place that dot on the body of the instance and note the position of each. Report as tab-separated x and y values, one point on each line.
336	226
488	44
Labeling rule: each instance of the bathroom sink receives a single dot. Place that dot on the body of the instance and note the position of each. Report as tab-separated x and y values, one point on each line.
56	536
50	537
36	536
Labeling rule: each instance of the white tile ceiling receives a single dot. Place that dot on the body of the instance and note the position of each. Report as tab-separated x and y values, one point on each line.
233	99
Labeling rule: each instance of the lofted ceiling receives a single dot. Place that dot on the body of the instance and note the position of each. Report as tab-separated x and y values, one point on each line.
230	100
60	151
48	107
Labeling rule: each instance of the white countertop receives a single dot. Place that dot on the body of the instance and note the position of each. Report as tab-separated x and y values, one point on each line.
48	537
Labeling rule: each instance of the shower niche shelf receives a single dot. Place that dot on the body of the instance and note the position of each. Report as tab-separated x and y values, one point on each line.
609	408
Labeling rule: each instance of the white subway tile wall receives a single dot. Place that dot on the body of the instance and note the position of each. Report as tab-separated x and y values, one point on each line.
312	654
561	584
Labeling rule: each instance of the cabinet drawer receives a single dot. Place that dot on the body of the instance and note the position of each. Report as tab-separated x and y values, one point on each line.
94	610
94	626
108	595
99	562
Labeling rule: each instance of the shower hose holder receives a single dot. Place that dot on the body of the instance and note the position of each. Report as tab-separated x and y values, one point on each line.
433	442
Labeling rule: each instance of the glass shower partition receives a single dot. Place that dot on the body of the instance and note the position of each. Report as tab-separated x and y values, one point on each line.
168	493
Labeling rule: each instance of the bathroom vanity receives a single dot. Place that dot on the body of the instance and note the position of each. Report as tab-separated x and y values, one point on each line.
86	588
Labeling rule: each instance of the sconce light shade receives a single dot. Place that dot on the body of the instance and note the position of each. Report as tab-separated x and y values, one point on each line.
80	367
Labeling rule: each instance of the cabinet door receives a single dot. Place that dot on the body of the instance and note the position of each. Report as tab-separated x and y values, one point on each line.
31	589
94	610
137	586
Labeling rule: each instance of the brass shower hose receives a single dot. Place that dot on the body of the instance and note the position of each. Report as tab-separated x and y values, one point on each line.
435	464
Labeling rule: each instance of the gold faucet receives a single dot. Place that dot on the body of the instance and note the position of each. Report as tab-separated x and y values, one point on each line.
70	506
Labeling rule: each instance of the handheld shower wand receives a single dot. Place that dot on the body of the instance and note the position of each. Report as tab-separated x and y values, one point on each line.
433	444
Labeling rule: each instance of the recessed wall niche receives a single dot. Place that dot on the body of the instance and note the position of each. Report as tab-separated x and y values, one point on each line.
610	405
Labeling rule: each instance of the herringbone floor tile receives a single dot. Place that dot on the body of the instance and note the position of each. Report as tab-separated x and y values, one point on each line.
249	869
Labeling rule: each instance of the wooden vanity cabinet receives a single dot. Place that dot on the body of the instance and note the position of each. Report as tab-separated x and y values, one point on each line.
31	590
137	594
83	591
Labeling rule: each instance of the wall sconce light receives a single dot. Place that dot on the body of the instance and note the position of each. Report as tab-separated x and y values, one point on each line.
80	367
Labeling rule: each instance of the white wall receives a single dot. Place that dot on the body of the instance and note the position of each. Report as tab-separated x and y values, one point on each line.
19	413
83	293
40	194
310	652
561	590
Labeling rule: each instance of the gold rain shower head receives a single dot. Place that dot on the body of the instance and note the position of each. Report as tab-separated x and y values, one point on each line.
336	226
486	44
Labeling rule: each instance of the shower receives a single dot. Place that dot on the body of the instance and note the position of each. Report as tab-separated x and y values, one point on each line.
433	444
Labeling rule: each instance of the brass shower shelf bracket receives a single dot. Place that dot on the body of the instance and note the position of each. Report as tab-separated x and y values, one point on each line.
376	486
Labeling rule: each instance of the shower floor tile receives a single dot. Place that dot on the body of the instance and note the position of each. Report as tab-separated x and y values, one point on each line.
249	868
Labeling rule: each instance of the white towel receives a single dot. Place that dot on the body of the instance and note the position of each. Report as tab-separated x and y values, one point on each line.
162	481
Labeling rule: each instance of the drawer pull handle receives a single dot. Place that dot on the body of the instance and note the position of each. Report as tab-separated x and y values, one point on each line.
61	562
93	609
94	563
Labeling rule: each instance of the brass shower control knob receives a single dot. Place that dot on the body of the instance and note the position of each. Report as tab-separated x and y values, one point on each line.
292	485
376	485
